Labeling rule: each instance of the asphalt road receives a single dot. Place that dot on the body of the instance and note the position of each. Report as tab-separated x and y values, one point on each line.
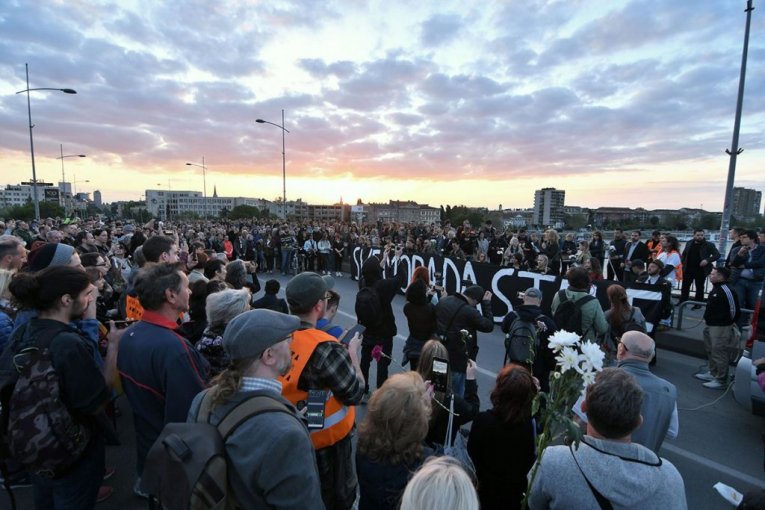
718	441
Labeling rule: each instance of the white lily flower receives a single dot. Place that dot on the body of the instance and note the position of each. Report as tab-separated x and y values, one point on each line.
561	339
593	354
567	359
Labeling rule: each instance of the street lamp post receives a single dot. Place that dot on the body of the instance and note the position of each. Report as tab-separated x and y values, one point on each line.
35	198
63	175
74	183
284	162
204	182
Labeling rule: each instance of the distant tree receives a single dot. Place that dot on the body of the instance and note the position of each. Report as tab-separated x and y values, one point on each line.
27	211
575	221
244	211
442	214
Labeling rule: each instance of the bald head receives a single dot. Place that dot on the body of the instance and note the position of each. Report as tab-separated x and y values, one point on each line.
636	345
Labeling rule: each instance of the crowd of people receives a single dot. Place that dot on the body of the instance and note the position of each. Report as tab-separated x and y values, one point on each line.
168	316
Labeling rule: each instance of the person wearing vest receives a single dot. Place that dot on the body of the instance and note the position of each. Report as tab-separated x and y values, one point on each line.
156	249
321	362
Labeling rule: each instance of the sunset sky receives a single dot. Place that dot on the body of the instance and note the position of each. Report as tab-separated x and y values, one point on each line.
478	103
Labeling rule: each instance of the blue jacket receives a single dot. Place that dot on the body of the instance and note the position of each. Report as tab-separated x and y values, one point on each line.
161	373
754	260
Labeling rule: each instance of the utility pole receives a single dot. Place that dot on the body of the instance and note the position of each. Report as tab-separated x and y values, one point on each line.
734	151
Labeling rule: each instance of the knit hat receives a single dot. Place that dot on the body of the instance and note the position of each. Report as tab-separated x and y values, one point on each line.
474	292
49	255
249	334
307	288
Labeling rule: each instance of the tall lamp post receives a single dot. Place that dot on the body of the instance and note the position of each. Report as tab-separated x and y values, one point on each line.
63	175
204	181
74	183
284	162
35	198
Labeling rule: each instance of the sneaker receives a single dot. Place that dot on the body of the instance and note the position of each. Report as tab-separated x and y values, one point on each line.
104	493
714	385
108	472
704	376
137	490
17	481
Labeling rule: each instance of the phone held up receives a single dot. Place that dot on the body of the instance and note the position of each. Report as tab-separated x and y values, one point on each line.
315	409
358	328
438	373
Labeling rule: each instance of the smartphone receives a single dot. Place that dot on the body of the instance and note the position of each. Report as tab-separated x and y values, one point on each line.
439	279
438	373
315	409
120	324
358	328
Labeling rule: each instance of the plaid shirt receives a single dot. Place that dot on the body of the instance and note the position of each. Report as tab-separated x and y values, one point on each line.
330	367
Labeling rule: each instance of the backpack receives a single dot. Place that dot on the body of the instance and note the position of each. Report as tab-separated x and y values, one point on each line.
37	429
568	316
368	307
522	342
187	468
629	325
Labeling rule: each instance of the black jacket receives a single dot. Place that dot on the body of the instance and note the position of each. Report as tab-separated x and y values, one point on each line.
640	253
420	312
386	289
466	408
722	306
453	313
544	361
707	251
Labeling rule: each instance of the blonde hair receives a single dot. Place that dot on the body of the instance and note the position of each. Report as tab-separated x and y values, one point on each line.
551	235
227	383
5	281
396	421
440	483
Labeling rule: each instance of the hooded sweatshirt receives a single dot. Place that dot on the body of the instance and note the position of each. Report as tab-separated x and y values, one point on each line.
638	480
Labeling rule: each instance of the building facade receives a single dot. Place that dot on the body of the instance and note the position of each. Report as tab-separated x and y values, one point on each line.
548	207
398	211
746	203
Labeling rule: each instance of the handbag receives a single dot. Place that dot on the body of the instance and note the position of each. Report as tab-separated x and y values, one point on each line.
457	448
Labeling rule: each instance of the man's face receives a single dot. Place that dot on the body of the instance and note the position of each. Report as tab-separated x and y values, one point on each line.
170	255
653	269
635	237
18	259
761	235
283	355
23	225
698	236
88	238
183	294
716	277
732	235
618	234
82	301
746	240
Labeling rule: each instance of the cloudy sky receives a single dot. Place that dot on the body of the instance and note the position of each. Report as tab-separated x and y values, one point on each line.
621	103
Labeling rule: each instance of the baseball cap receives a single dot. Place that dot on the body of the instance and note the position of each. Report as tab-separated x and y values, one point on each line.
533	292
307	288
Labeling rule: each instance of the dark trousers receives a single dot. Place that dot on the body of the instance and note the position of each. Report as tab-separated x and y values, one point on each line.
337	475
698	280
382	365
78	489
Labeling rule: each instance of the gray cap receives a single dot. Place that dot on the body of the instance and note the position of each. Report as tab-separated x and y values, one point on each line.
250	333
533	292
306	289
474	292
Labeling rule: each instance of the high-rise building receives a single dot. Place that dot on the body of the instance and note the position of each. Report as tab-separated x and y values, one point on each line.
548	207
97	198
746	203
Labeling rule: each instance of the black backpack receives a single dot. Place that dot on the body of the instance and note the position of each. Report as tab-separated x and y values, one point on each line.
37	429
187	468
368	307
522	342
568	316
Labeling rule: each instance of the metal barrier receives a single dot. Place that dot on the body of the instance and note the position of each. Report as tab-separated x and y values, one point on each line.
681	310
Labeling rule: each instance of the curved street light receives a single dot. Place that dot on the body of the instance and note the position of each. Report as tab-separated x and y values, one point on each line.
31	139
284	162
204	181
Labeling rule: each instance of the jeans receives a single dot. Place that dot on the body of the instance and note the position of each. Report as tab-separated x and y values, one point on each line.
382	365
78	489
458	383
287	255
747	292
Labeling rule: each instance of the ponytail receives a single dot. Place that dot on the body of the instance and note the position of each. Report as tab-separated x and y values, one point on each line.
44	289
227	383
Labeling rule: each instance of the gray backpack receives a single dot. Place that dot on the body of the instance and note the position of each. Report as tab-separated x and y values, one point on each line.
186	467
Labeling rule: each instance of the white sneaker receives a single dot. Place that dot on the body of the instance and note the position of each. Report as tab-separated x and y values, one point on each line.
704	376
714	385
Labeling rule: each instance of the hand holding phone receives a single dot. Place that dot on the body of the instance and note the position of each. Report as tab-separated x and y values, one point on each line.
438	371
350	335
